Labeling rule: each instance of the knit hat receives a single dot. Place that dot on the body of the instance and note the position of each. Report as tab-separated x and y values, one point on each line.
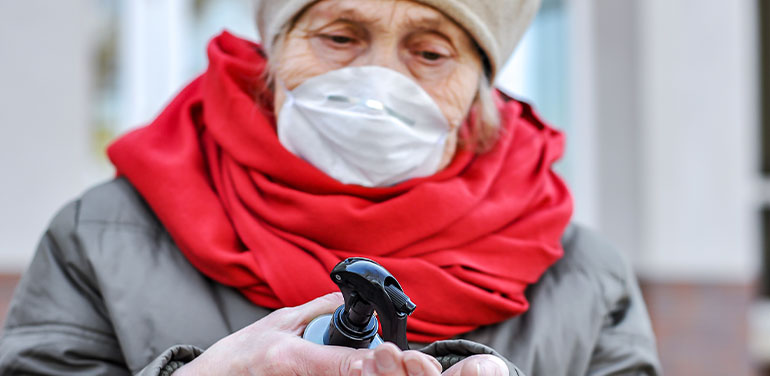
496	25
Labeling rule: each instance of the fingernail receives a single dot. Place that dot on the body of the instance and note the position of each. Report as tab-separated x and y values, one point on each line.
356	368
385	361
437	364
413	367
369	368
485	368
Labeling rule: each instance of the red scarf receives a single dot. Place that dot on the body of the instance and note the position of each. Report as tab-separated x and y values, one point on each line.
464	243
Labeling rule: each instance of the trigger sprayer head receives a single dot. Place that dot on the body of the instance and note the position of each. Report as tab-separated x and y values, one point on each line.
368	287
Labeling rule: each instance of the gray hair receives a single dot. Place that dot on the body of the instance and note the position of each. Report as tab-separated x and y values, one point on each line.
485	127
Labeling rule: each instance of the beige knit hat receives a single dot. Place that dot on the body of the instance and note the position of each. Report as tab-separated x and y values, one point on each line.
496	25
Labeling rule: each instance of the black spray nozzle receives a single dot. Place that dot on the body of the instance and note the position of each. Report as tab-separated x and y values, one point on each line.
367	287
400	301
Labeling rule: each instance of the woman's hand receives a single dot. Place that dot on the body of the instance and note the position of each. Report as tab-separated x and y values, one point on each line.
478	365
273	346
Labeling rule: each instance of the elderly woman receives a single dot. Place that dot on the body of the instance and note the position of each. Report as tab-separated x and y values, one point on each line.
359	128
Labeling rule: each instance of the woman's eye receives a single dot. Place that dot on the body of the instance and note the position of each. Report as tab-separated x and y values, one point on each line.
430	56
339	39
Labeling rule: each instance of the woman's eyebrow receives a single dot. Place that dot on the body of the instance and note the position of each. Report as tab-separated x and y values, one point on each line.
355	16
424	22
434	25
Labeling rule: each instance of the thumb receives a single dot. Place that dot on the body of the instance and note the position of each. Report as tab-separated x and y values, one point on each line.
386	359
295	319
320	360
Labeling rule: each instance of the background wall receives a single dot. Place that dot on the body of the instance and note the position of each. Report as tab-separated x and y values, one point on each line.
699	139
45	148
662	118
658	99
74	75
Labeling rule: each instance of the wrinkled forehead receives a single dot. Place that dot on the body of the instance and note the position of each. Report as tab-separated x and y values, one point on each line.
387	17
378	13
495	26
394	17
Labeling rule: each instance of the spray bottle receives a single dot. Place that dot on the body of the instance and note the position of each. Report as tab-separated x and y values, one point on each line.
367	288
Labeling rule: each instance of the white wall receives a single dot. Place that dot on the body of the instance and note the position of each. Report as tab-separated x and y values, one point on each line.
663	143
44	117
152	52
582	140
699	128
163	47
618	127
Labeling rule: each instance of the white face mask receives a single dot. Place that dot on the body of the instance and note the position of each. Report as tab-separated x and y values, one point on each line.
370	126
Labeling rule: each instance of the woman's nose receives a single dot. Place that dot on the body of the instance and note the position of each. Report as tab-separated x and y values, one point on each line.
386	56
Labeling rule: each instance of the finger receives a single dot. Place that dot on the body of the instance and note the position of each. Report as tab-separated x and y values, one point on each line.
388	360
419	364
312	359
370	367
295	319
478	365
436	364
356	368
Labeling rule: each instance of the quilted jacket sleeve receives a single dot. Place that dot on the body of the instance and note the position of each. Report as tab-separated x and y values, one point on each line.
171	360
57	323
626	343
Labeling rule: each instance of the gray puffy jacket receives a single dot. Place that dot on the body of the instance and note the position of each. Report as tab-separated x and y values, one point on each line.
108	293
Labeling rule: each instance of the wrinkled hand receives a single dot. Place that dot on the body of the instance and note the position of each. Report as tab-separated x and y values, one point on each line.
273	346
478	365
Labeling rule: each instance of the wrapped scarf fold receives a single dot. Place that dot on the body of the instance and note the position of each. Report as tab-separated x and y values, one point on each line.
464	243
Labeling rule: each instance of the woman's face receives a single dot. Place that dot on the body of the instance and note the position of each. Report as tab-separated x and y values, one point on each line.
413	39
